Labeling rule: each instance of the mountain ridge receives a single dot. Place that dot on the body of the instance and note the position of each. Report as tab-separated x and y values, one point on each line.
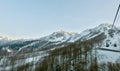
63	37
101	42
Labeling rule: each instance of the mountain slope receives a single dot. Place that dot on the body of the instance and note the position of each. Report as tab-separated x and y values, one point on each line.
61	38
64	48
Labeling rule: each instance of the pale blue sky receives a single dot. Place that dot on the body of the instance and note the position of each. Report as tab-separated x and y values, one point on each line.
36	18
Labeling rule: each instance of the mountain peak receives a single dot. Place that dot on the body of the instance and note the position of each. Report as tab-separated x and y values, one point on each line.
60	36
9	38
5	38
61	32
105	25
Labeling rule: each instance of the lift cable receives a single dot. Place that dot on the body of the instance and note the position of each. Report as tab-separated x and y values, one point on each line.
116	15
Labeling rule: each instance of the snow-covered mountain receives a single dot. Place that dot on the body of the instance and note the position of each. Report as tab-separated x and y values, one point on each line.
105	38
60	36
111	35
4	40
54	39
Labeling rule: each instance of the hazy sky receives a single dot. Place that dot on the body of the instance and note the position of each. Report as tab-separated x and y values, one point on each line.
36	18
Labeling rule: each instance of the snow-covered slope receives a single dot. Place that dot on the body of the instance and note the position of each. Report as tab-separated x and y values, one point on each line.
9	40
109	48
28	51
60	36
112	34
4	40
111	38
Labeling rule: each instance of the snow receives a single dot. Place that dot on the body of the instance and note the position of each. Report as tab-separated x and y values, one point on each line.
108	56
28	45
60	37
34	58
111	41
7	49
104	56
84	33
56	39
78	36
